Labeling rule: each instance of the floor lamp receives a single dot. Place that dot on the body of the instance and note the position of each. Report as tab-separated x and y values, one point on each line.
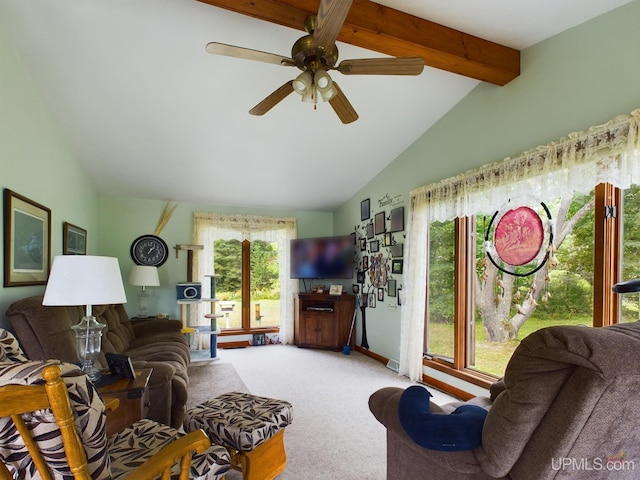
85	280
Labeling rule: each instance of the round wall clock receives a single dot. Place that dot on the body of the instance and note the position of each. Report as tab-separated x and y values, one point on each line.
149	250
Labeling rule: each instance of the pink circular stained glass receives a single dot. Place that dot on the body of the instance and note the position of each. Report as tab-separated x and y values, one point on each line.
519	235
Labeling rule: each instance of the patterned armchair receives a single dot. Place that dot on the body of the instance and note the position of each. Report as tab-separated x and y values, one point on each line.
108	458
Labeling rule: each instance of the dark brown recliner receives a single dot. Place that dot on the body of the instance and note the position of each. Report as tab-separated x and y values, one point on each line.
569	409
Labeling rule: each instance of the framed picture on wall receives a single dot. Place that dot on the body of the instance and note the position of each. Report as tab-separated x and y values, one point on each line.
397	220
27	241
380	223
365	209
371	301
370	230
374	246
74	240
397	250
396	266
391	287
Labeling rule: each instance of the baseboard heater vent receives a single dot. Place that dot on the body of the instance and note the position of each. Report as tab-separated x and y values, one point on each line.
393	365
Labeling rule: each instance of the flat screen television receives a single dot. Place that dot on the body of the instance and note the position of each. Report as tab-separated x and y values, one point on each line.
325	257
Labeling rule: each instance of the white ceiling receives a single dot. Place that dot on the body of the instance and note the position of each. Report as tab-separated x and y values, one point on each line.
151	115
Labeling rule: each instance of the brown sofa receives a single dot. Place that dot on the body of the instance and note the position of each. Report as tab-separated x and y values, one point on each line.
568	408
45	333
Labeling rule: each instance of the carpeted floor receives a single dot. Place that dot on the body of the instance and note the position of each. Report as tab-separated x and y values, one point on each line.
208	379
333	434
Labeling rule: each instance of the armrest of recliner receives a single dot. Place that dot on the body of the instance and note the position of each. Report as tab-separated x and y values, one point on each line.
384	406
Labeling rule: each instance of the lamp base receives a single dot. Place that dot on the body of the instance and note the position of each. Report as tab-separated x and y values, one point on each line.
88	343
92	372
143	304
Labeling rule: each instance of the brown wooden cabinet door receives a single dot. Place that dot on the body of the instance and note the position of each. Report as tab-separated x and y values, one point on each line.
326	331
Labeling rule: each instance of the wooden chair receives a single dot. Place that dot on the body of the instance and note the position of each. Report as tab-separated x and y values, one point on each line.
21	401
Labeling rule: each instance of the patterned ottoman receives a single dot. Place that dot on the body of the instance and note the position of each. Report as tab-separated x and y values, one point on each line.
251	427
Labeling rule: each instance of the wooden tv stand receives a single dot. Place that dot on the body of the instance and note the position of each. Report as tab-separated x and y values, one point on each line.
323	321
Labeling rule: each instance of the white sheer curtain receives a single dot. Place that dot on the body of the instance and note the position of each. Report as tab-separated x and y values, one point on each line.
208	227
413	312
574	164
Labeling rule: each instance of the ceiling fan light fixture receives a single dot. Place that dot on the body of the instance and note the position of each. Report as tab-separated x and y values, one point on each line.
324	85
311	96
303	83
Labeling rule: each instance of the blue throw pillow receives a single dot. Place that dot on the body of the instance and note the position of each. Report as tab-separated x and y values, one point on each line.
459	430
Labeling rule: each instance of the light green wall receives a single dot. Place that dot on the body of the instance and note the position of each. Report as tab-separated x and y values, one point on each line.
36	161
124	219
582	77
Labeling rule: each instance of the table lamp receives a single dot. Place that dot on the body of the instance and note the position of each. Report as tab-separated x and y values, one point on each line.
85	280
143	276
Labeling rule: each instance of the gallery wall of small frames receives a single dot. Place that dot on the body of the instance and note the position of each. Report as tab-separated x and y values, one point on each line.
379	239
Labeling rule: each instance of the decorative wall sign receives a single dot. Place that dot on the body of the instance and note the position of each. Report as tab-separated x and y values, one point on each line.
389	201
27	241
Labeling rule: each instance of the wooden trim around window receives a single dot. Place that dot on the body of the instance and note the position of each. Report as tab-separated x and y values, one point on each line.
606	254
246	284
461	294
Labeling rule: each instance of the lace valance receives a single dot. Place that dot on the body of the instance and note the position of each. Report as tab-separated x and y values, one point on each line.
575	163
244	227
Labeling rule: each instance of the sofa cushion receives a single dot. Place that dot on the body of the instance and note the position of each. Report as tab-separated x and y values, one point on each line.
460	430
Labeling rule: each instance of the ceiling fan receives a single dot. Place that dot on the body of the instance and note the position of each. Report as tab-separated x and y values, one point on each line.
315	54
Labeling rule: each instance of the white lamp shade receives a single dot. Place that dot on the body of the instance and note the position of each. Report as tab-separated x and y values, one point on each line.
84	280
144	276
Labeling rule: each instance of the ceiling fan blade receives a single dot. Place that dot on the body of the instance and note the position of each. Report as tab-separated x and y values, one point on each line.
342	106
382	66
331	16
248	54
272	100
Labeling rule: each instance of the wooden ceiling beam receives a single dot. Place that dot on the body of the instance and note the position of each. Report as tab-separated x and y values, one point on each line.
391	32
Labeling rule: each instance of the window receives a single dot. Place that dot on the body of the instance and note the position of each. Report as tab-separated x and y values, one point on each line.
630	308
588	195
439	333
249	256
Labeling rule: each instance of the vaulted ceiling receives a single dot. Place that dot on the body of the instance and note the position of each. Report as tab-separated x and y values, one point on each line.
150	114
